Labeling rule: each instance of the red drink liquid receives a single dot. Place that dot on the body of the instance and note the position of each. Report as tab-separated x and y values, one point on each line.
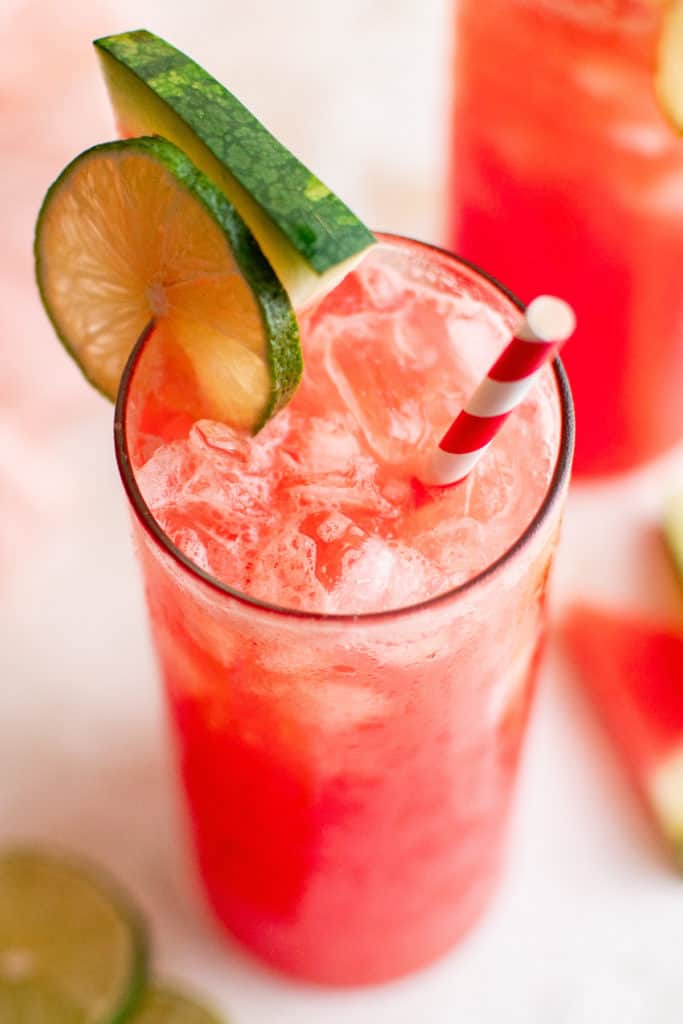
348	732
566	179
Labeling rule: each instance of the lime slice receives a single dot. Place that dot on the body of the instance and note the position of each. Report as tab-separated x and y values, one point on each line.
309	236
166	1006
133	232
669	70
72	951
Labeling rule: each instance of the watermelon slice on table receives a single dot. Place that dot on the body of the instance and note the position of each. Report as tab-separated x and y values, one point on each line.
632	668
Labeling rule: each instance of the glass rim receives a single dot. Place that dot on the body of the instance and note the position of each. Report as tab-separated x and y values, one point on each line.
552	494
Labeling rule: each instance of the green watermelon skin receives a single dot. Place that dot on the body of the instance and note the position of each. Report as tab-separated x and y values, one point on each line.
157	89
632	669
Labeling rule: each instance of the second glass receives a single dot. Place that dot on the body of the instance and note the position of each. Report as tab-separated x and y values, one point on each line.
567	179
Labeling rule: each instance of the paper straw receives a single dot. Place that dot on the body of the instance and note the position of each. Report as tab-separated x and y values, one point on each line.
546	326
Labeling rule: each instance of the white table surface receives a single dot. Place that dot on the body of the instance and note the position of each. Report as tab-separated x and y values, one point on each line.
588	925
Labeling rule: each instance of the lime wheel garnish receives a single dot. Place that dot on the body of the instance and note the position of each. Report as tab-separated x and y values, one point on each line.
131	232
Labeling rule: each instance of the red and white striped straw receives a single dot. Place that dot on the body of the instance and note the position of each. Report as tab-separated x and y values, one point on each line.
546	326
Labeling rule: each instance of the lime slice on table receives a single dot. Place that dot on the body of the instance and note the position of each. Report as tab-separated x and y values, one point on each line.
166	1006
669	68
308	235
132	232
72	950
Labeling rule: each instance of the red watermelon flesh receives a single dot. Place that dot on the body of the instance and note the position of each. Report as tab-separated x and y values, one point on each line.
632	668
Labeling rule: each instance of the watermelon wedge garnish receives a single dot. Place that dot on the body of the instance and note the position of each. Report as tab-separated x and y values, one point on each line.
632	668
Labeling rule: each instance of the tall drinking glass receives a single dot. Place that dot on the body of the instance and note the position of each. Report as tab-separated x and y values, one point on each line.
566	178
349	771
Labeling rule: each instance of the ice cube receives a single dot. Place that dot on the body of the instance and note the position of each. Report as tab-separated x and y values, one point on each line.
447	537
324	469
333	527
168	475
284	571
232	450
193	545
476	339
180	475
385	289
327	445
336	537
384	405
491	489
378	575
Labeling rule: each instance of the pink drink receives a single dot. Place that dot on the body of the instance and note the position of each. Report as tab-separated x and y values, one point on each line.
566	178
348	733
